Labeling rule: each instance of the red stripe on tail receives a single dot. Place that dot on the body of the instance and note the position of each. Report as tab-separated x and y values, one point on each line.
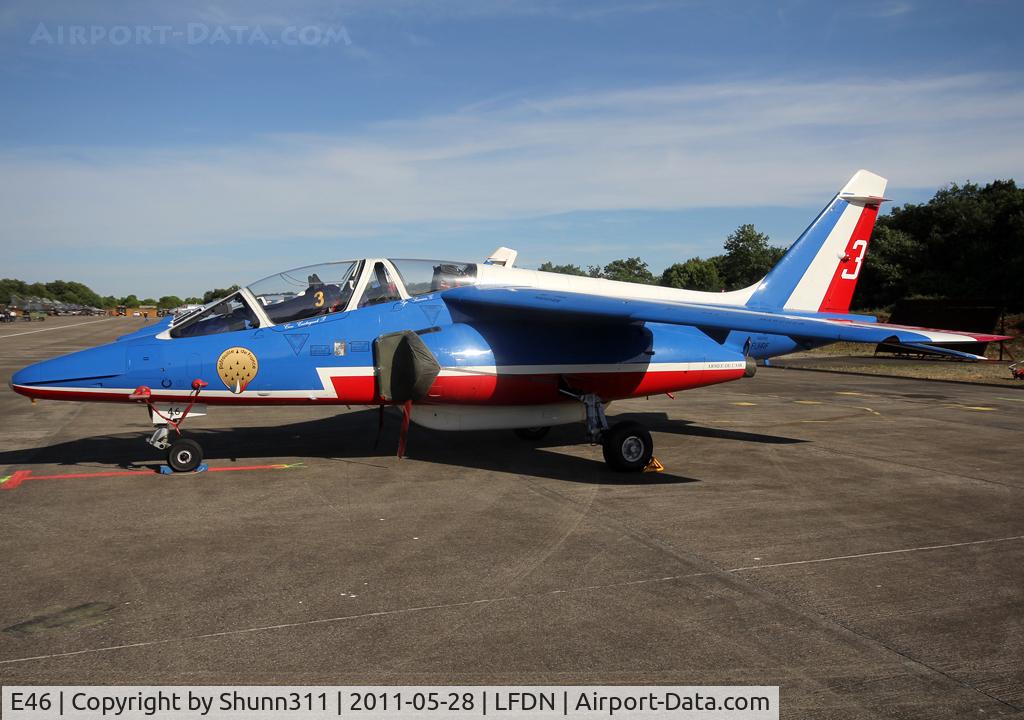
844	281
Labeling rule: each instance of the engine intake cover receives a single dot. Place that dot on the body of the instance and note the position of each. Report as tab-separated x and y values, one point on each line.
405	366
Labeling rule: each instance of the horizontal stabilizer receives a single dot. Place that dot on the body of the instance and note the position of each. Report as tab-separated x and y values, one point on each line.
935	350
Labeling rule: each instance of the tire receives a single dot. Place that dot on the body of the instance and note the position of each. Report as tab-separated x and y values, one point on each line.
627	447
184	455
534	433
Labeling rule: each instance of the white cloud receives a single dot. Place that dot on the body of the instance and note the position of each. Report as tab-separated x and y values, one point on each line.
770	143
890	9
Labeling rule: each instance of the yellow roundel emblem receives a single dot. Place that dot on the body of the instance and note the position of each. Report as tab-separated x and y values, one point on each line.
237	367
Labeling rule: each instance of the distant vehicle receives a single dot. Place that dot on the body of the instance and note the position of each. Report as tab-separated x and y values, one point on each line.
184	309
476	346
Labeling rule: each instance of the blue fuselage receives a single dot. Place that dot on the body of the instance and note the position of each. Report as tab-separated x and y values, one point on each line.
331	359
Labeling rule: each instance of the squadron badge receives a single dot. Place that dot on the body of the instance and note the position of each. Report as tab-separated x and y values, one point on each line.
237	367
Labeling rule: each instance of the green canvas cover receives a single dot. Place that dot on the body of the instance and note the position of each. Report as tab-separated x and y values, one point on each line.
405	366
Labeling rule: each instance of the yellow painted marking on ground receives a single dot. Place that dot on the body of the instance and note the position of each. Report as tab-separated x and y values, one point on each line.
873	412
1011	399
808	402
981	408
847	392
745	404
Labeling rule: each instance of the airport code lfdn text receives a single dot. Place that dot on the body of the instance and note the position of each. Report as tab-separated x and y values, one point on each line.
389	702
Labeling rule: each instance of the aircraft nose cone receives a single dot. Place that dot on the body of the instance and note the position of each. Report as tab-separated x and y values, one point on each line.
77	368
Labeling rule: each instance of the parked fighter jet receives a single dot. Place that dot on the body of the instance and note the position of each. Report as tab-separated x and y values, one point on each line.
473	346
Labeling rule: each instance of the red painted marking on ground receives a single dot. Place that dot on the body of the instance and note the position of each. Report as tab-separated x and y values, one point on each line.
12	481
20	476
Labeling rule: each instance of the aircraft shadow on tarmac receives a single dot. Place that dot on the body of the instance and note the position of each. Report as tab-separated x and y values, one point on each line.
354	436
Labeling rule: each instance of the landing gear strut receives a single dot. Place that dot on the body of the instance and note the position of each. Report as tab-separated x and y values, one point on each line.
596	422
160	439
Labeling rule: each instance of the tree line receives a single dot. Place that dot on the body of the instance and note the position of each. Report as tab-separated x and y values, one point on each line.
76	293
966	244
747	258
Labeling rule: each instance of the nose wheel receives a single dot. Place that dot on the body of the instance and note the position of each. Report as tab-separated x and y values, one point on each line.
184	455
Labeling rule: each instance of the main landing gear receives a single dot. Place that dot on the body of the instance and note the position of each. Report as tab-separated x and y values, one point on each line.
627	446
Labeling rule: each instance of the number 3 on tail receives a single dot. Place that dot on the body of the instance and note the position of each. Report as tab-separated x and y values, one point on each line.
859	246
319	295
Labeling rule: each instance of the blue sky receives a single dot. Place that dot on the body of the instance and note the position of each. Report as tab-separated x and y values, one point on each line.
157	148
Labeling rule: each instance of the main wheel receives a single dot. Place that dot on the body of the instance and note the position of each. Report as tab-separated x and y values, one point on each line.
184	455
534	433
627	447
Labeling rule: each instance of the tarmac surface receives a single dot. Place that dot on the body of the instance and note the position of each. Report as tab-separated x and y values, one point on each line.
857	541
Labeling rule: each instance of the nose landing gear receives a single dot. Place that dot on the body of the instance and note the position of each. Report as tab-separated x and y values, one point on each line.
183	454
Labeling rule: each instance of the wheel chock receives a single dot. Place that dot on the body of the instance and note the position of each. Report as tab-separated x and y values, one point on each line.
654	466
168	470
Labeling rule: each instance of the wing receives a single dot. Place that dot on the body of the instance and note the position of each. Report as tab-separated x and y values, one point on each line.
715	318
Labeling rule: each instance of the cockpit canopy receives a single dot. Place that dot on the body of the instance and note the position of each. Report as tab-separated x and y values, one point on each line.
299	294
321	290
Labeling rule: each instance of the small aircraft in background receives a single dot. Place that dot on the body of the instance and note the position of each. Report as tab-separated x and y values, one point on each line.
478	346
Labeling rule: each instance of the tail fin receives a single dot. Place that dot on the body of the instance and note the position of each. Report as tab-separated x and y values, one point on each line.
819	272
